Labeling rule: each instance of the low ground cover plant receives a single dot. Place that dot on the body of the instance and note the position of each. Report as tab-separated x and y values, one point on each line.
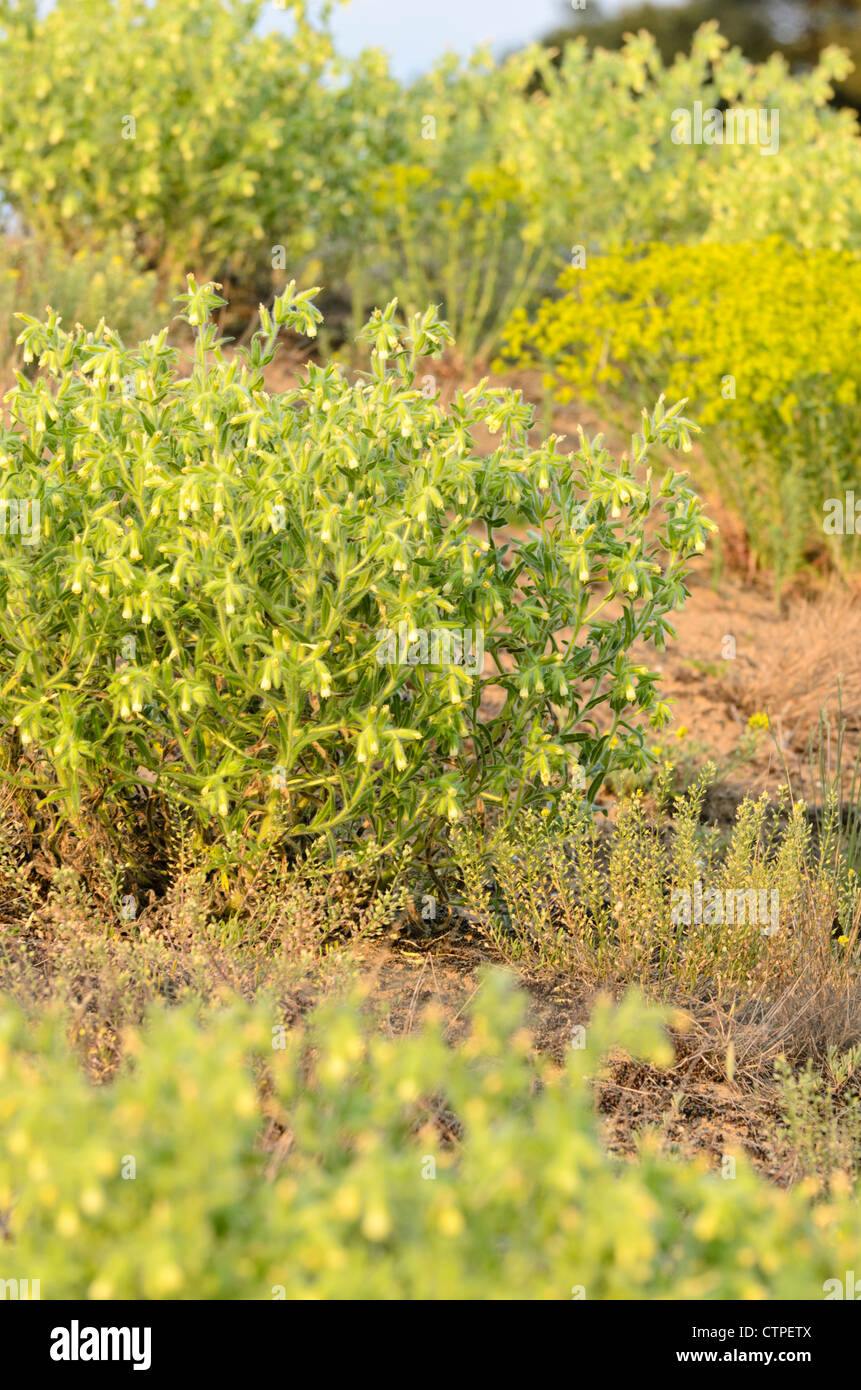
675	904
751	333
821	1115
282	612
391	1168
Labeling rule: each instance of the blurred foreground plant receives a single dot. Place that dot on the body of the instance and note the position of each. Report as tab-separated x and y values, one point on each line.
394	1168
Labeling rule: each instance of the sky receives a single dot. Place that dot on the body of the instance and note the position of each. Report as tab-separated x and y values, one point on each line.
416	32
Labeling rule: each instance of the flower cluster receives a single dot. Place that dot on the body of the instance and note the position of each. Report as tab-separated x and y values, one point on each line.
752	334
216	565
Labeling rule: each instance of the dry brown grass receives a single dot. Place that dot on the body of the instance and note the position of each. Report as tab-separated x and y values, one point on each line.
813	655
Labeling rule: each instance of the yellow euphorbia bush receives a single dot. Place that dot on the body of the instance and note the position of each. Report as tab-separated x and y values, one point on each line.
407	1169
760	335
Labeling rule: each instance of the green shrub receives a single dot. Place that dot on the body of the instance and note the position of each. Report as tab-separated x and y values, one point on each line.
394	1168
456	214
253	603
182	127
81	287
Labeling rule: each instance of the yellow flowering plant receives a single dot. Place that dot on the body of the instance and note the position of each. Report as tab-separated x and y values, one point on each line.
80	286
209	143
752	334
394	1168
284	611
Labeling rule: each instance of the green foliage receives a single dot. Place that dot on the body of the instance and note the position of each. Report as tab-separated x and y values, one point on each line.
231	595
180	126
527	157
404	1169
822	1115
81	287
752	333
466	188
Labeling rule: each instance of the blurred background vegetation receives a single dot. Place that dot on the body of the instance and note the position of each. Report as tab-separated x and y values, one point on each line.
799	29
